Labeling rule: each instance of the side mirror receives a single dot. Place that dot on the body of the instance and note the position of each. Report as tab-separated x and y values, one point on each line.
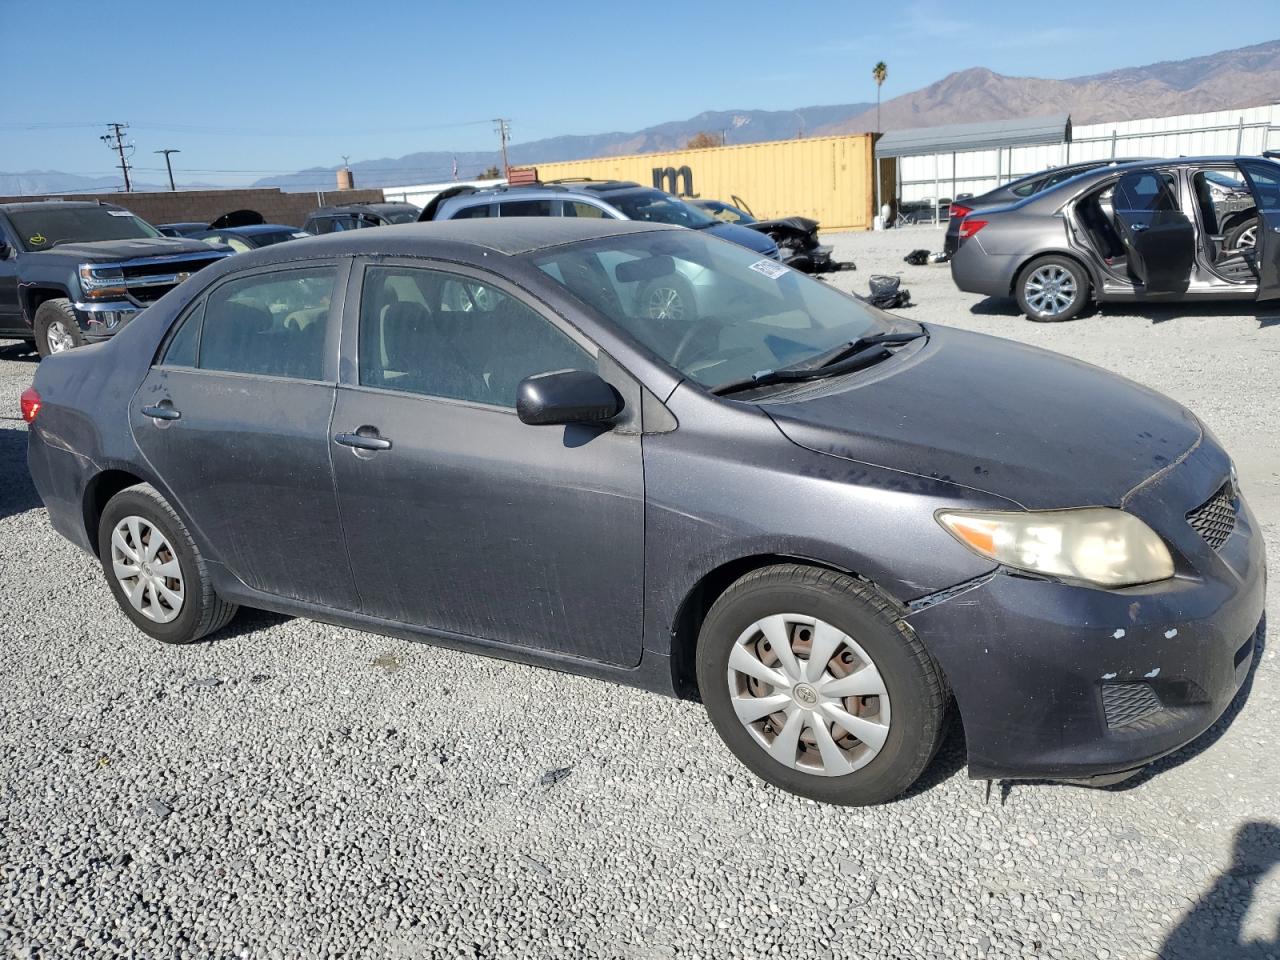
567	396
5	249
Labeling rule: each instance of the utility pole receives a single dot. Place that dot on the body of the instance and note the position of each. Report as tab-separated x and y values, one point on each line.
503	128
168	165
115	140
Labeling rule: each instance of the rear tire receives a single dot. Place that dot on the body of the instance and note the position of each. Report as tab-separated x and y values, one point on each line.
56	327
1052	289
847	745
156	571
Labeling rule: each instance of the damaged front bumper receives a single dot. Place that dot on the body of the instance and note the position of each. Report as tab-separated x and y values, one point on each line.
1070	682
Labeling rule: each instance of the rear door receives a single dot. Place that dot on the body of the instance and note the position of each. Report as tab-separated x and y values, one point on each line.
234	418
1264	181
1158	237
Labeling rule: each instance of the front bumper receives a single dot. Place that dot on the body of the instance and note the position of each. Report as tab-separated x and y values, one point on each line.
101	320
1047	674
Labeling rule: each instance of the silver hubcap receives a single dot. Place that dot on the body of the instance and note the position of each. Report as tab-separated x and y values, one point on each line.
1051	290
147	569
808	694
1248	239
59	337
665	303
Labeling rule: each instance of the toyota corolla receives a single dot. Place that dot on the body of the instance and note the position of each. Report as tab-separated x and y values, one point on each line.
822	521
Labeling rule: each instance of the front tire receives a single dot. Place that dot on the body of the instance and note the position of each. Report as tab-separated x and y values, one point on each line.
1243	236
56	327
156	571
815	683
1052	289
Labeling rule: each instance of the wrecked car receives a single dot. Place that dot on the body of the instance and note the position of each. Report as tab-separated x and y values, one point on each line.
822	521
796	237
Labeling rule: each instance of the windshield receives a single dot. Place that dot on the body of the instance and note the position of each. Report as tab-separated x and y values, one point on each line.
658	207
43	229
713	310
266	239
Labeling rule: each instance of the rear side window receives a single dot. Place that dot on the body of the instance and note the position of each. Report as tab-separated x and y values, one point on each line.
1144	192
479	210
1265	180
525	208
576	208
271	324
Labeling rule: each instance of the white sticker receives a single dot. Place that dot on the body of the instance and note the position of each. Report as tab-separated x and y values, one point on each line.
119	213
770	268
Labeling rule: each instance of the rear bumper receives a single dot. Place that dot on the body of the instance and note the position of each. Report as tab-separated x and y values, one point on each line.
1057	681
976	271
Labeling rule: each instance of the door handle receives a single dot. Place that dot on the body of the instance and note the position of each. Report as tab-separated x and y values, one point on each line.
361	442
1138	227
161	412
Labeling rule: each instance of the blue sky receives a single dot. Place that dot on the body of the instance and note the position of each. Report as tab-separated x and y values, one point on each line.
246	89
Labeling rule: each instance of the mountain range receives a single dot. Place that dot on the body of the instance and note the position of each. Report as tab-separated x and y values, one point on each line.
1247	76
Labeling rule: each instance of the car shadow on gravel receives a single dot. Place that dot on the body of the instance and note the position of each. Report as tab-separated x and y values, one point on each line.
17	493
247	620
20	351
1214	926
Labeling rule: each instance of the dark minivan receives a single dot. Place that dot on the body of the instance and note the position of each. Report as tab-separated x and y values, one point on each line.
823	521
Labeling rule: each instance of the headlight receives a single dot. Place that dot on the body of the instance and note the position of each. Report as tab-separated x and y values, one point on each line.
102	283
1108	547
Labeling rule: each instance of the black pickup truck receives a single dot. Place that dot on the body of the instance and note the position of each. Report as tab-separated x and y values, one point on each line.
74	272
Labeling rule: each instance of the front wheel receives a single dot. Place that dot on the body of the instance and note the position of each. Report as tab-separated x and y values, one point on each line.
56	328
818	687
1052	289
1243	236
156	571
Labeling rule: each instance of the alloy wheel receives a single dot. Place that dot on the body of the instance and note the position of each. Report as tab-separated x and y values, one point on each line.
808	694
147	569
1248	238
58	337
1051	290
665	303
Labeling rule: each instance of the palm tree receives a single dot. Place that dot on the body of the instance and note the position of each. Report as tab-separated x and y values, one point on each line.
880	73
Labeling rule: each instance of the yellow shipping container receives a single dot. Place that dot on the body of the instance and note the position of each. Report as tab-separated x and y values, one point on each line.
828	179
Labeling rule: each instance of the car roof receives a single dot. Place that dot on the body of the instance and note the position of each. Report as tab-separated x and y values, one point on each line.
375	206
57	205
467	240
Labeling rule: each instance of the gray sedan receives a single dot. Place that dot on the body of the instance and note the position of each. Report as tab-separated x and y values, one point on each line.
821	521
1153	231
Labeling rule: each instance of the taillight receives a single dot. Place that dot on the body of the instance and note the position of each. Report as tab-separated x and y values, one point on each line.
30	404
959	211
970	227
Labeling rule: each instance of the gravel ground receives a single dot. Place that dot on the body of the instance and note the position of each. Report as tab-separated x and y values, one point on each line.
292	789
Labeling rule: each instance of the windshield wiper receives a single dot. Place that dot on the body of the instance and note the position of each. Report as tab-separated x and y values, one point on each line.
846	358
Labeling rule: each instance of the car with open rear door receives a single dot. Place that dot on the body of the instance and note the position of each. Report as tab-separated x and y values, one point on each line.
1204	228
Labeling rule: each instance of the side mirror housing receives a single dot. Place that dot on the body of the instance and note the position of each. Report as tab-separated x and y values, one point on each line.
5	249
566	396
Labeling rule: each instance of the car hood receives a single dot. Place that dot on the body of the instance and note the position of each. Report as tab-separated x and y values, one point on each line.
101	251
751	239
1037	428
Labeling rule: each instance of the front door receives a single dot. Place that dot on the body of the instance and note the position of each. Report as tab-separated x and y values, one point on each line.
459	517
10	315
1158	237
235	421
1264	181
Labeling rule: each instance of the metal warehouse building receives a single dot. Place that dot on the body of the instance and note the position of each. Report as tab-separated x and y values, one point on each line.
826	178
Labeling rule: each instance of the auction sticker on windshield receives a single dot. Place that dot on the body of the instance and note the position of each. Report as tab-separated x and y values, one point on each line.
770	268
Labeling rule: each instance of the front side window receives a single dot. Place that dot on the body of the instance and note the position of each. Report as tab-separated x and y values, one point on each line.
443	335
270	324
1264	177
658	207
713	310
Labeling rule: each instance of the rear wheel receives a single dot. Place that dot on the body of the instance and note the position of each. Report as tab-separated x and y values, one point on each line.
155	569
56	328
1052	289
818	687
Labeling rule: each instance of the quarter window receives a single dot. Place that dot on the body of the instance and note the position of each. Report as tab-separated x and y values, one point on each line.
442	335
525	208
466	213
270	324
